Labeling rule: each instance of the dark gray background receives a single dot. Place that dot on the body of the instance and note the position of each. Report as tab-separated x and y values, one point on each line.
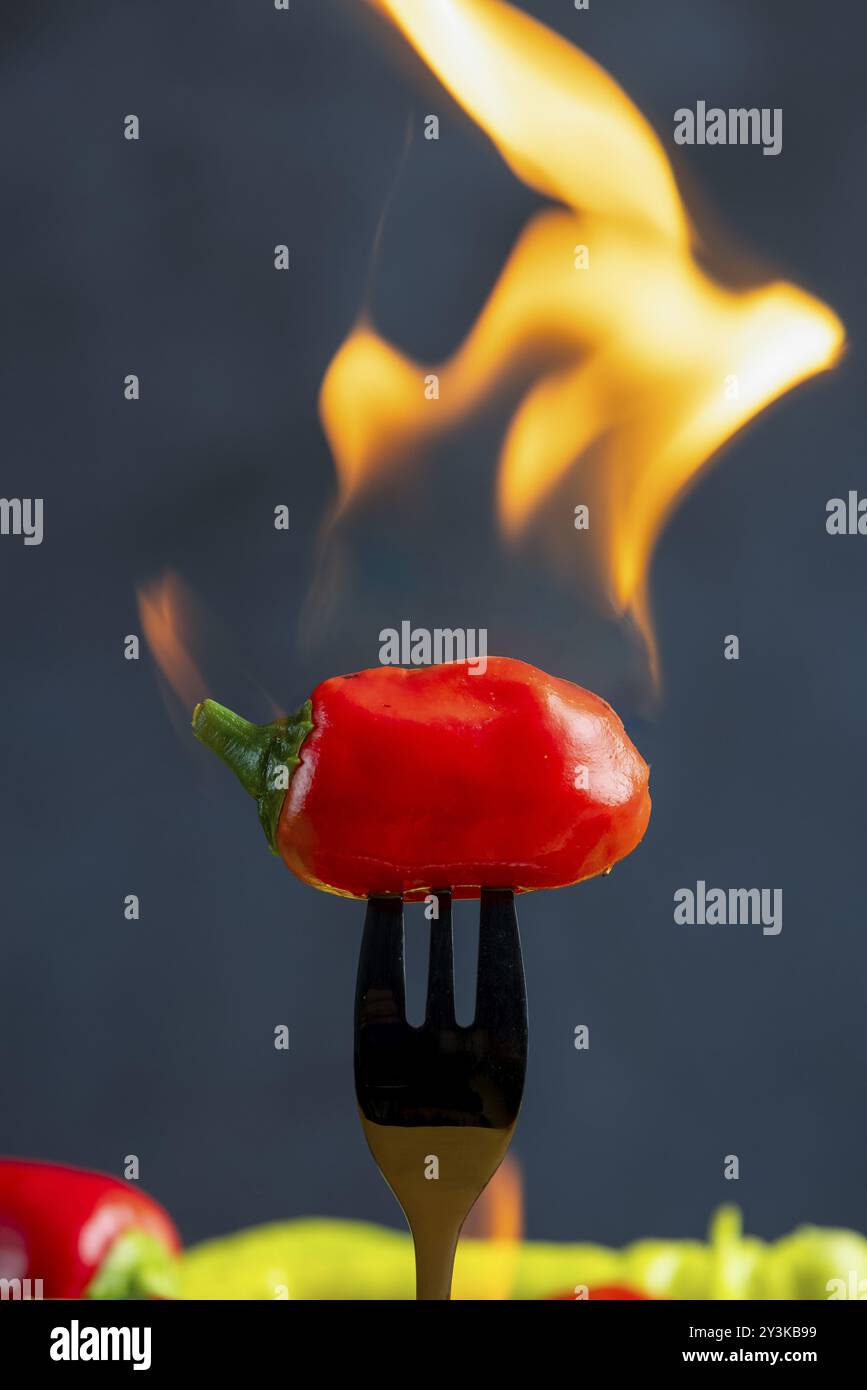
155	1037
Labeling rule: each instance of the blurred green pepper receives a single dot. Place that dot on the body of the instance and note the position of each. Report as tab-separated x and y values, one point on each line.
349	1260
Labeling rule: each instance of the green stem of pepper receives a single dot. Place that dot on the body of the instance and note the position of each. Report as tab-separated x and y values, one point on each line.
262	756
136	1266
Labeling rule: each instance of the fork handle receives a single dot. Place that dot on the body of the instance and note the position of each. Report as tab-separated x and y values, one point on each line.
434	1262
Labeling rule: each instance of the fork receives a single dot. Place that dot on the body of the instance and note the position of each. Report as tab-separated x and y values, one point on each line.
439	1102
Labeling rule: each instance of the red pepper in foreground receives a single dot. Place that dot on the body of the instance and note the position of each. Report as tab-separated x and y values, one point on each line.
407	781
83	1234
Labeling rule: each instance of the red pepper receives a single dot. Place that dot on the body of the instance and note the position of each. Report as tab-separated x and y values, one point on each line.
83	1234
395	781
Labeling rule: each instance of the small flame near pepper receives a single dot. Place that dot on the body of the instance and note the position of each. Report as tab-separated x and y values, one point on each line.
175	624
166	607
644	364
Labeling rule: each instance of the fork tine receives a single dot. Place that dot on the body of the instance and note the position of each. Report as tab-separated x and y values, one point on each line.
454	1090
440	1008
380	990
501	999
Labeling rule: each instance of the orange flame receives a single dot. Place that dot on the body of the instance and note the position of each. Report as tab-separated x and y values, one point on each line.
640	357
499	1212
497	1218
162	607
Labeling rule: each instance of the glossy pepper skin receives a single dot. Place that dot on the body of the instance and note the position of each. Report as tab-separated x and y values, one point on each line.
406	781
83	1234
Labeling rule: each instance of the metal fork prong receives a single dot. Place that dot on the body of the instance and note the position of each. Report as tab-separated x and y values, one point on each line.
440	1008
380	991
501	999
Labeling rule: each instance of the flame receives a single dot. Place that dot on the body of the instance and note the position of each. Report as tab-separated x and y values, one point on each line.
643	365
498	1218
499	1212
162	607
